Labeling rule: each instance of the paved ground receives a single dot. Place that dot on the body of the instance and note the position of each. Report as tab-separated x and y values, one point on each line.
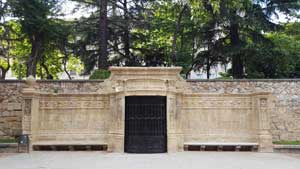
185	160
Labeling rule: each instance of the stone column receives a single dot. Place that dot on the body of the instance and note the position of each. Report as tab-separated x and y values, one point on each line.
174	132
179	125
30	110
117	123
264	134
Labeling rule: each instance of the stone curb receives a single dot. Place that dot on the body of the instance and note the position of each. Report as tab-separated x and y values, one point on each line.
54	81
294	149
277	146
243	80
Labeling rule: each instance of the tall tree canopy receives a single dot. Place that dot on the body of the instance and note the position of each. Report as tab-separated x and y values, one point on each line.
197	35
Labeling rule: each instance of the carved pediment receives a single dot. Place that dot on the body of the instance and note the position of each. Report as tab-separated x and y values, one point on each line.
144	79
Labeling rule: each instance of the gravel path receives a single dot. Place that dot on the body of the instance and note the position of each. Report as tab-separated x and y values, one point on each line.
184	160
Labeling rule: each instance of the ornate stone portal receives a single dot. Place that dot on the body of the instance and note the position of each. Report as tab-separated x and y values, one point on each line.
99	117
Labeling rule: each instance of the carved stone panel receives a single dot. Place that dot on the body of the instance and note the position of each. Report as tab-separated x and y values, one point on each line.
27	107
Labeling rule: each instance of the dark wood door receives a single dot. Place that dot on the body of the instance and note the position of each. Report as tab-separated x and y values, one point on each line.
145	124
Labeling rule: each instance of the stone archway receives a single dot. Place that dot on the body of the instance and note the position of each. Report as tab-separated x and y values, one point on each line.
140	81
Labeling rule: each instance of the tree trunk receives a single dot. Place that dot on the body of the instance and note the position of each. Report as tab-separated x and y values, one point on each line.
64	61
3	73
103	36
237	63
34	55
177	30
41	72
6	54
130	59
188	73
49	76
4	70
208	67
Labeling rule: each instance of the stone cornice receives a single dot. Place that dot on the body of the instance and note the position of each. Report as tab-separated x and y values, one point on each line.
116	68
227	94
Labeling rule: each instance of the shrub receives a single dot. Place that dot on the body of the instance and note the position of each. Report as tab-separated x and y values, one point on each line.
100	74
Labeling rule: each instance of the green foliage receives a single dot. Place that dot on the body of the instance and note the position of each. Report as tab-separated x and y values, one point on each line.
201	34
8	140
74	64
286	142
225	75
35	15
100	74
280	59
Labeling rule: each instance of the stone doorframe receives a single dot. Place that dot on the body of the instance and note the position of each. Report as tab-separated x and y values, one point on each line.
142	81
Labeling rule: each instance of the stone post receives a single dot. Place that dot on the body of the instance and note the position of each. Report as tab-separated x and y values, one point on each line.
264	134
171	123
30	109
174	120
117	118
179	125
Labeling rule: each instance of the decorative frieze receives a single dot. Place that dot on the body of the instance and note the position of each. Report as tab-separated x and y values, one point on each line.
217	102
71	104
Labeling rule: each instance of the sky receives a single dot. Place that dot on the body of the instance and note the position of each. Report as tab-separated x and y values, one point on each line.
67	8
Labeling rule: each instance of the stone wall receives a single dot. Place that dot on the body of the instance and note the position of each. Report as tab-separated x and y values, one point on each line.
71	118
10	107
220	118
285	115
11	100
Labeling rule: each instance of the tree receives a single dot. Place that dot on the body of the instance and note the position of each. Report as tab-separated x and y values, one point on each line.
5	40
196	35
210	40
92	35
258	19
280	59
103	35
242	22
19	49
183	8
35	17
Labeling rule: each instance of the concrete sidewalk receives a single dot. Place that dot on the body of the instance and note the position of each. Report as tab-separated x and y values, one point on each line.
184	160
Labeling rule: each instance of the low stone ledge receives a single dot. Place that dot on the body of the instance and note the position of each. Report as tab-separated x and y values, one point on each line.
243	80
220	146
286	148
277	146
12	81
41	143
55	81
8	145
221	143
71	81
